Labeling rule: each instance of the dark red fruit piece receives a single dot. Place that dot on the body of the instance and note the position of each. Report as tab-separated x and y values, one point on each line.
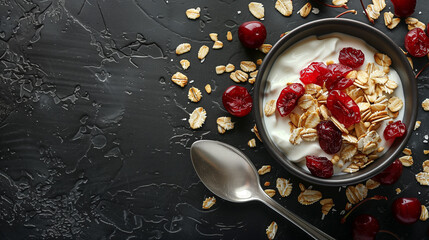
288	98
404	8
252	34
351	57
337	72
406	210
391	174
237	101
343	108
341	84
320	166
330	137
316	72
395	130
365	227
417	42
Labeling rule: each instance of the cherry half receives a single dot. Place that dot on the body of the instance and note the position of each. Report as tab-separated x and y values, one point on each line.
330	137
394	130
288	98
417	42
343	108
391	174
406	210
237	101
320	166
252	34
404	8
365	227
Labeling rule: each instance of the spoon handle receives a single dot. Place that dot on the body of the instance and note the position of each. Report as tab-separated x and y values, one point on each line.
299	222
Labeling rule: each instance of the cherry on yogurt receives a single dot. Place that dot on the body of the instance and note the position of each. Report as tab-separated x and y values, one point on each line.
252	34
288	98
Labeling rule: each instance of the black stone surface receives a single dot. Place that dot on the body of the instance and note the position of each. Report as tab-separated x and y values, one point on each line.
94	138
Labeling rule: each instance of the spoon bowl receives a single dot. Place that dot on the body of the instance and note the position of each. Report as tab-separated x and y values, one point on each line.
229	174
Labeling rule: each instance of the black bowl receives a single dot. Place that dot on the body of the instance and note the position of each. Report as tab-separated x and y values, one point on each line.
372	37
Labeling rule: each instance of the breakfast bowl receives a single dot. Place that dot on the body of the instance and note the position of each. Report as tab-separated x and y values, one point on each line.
315	42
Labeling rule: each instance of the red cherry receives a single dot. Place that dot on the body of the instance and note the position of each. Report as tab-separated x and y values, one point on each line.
391	174
237	101
320	166
340	84
343	108
252	34
406	210
417	42
288	98
394	130
351	57
404	8
365	227
330	137
316	72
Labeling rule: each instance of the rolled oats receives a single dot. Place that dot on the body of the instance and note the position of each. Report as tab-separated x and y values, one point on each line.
356	194
256	132
284	7
217	45
382	59
306	101
327	205
241	76
294	118
425	104
339	2
305	10
259	61
254	74
424	215
270	108
379	5
197	118
208	88
271	230
372	184
407	151
339	125
247	66
265	48
350	139
180	79
225	123
193	13
425	166
351	168
414	23
266	184
312	120
398	190
390	21
372	11
220	69
395	104
229	67
426	152
423	178
324	112
270	192
257	9
185	64
348	151
407	161
183	48
308	197
213	36
284	187
417	125
209	202
251	143
229	36
251	80
194	94
308	134
233	77
264	169
202	53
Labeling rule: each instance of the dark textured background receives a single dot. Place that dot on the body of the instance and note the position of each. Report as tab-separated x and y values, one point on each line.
94	139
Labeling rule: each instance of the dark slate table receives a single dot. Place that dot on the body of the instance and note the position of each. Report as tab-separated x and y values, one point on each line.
94	138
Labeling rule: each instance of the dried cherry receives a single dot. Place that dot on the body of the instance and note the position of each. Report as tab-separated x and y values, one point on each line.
316	72
343	108
237	101
288	98
320	166
394	130
340	84
351	57
330	137
417	42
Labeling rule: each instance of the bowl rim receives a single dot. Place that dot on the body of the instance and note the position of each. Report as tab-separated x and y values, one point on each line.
267	63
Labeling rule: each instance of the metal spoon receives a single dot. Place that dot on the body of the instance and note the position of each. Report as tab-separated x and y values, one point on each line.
229	174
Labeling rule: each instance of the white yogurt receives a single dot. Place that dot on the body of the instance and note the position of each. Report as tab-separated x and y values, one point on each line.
286	69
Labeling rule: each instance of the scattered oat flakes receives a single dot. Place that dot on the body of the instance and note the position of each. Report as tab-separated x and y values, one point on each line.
251	143
379	5
390	21
339	2
185	64
417	125
247	66
372	184
217	45
425	104
425	166
266	184
423	178
270	192
270	108
271	230
372	11
224	124
348	206
241	76
398	190
257	9
284	7
229	68
259	61
305	10
308	197
265	48
424	215
180	79
193	13
202	53
284	187
254	74
264	169
229	36
426	152
327	205
255	131
213	37
410	60
194	94
251	80
414	23
407	151
209	202
208	88
183	48
356	194
197	118
220	69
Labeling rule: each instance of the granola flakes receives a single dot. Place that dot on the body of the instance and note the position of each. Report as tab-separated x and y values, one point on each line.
197	118
308	197
390	21
357	193
284	187
407	161
202	53
225	124
180	79
271	230
257	9
209	202
247	66
284	7
193	13
183	48
414	23
264	169
229	68
194	94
